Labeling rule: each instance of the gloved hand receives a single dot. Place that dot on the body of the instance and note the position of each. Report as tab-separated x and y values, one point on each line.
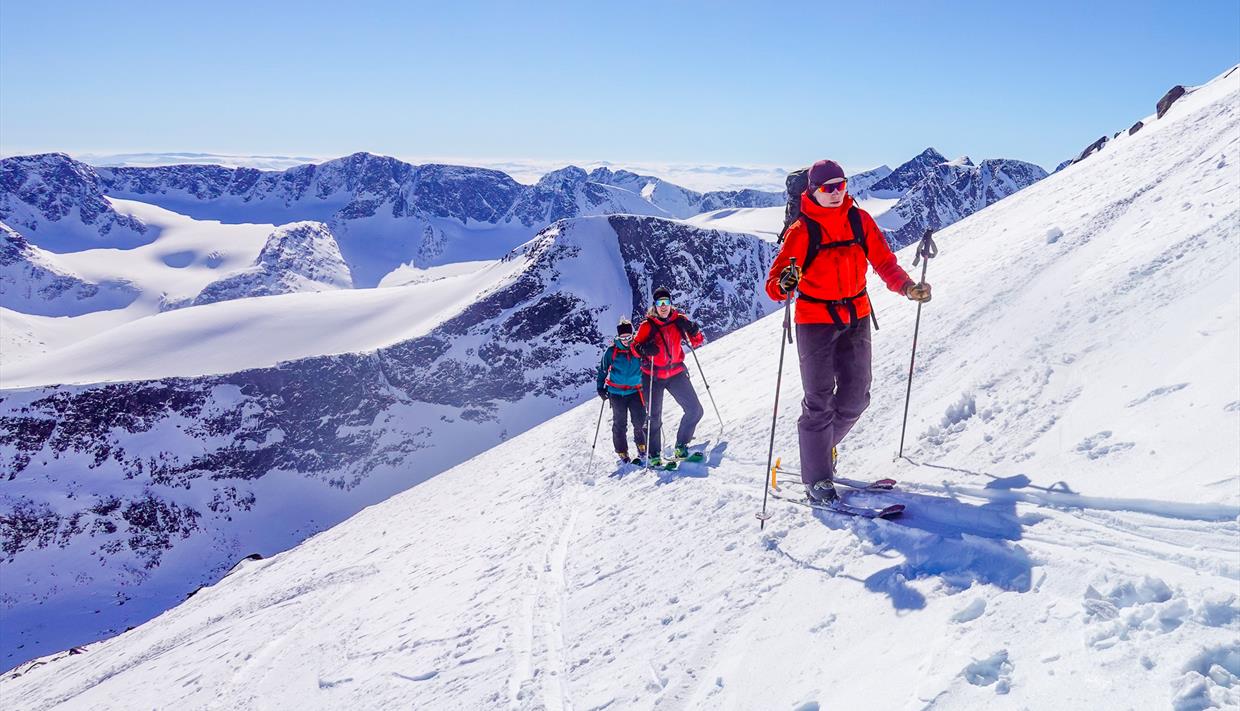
602	393
789	278
918	292
648	349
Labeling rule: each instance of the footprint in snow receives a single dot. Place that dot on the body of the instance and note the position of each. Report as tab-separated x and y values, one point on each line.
995	669
1096	446
1157	392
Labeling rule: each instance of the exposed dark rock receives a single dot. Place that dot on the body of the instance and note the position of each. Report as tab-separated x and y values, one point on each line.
1173	94
1092	149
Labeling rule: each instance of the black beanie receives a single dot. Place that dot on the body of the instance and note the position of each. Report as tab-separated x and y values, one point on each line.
625	326
662	292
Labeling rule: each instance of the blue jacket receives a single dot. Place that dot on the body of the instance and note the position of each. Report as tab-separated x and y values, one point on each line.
620	372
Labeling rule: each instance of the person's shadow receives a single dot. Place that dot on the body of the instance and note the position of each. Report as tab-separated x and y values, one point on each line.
939	536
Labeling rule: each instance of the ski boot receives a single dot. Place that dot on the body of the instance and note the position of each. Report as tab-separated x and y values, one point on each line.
624	457
682	453
822	492
640	459
655	461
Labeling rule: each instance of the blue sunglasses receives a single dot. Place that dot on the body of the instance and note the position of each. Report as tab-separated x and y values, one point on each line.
662	302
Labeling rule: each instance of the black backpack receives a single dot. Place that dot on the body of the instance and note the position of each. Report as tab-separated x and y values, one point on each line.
795	184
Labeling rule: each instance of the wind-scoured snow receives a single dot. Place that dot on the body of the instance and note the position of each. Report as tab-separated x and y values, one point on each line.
1070	539
765	222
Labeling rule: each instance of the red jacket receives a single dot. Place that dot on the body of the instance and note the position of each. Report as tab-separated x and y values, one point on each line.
837	272
657	341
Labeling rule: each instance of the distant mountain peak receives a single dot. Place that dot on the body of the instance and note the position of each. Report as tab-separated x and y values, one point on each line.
570	174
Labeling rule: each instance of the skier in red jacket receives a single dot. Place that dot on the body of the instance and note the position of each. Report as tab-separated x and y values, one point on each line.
832	241
658	340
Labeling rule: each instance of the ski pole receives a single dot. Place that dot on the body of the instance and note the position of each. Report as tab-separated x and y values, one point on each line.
784	339
707	384
601	406
599	425
649	406
926	251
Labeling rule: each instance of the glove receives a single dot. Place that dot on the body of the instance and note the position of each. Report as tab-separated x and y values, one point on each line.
918	292
602	393
789	278
649	349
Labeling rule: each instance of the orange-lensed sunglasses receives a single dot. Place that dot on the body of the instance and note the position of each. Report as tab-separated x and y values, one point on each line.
832	187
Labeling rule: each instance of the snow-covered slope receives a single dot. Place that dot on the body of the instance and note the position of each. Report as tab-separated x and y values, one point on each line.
184	257
1071	538
273	441
862	182
33	281
298	257
681	202
765	222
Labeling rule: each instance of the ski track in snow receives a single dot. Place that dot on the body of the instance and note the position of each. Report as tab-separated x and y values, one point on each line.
1029	571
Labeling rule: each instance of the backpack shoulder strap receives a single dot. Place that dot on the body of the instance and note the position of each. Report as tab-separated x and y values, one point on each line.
813	241
854	219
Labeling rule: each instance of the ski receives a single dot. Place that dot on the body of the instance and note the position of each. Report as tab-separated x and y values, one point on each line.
673	463
839	506
876	485
885	484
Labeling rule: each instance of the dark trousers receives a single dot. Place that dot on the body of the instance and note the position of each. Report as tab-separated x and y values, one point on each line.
835	372
682	392
623	409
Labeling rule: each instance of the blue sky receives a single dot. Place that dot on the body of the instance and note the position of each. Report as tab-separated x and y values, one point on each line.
713	83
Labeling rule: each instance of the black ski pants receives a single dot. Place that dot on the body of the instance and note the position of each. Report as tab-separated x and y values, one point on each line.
683	393
623	409
835	372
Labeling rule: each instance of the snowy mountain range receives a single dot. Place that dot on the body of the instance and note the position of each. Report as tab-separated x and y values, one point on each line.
176	478
1070	539
384	212
932	192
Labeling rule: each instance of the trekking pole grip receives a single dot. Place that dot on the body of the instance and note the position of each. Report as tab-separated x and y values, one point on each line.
926	250
787	314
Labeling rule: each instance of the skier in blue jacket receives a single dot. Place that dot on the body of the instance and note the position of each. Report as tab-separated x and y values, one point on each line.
619	382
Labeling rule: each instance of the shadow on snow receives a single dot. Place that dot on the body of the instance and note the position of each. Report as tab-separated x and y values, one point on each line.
939	536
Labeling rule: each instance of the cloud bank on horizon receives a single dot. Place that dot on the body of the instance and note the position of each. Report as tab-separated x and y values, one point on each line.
703	177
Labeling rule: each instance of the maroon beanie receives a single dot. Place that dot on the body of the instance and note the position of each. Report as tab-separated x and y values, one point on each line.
822	171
